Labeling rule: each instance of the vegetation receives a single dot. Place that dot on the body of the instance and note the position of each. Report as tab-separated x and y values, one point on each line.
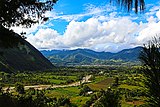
150	58
121	84
23	12
19	88
28	100
111	86
130	4
88	57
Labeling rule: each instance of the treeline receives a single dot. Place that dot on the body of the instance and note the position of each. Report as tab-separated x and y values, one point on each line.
31	98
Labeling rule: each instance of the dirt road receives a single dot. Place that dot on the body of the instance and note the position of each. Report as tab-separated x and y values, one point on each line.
40	87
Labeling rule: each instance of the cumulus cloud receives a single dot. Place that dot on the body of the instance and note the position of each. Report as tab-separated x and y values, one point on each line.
152	30
101	32
93	34
46	39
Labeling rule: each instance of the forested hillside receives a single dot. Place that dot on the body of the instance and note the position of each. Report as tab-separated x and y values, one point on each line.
90	57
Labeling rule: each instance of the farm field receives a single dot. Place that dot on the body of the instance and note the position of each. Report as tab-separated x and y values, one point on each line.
82	86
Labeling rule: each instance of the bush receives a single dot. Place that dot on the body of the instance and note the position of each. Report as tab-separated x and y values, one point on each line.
19	88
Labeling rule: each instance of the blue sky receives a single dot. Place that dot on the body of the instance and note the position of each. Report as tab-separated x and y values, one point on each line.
96	25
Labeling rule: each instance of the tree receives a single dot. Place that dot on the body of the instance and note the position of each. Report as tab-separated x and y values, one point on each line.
23	12
130	4
19	88
109	98
150	57
116	81
85	89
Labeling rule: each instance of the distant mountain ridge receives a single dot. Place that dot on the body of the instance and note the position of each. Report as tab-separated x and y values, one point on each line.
90	57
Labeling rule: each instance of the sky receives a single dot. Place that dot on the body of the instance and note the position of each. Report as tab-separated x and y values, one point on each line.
96	25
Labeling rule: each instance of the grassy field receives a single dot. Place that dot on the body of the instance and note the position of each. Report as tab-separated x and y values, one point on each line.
69	92
130	85
79	100
103	84
66	92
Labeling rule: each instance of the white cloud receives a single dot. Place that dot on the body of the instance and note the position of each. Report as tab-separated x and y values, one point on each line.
92	34
46	39
150	30
90	10
101	32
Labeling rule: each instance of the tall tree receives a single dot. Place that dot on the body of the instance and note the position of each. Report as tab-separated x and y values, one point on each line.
23	12
150	57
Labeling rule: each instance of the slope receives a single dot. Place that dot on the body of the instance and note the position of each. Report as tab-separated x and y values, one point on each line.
16	54
90	57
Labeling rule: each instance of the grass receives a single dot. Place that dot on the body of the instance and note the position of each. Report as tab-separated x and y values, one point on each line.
79	100
127	105
55	81
130	87
69	92
103	84
99	78
66	92
132	104
59	79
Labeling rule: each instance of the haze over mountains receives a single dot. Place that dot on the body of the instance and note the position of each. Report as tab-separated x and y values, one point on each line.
90	57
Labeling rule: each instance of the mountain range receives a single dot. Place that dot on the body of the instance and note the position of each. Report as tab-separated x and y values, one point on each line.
90	57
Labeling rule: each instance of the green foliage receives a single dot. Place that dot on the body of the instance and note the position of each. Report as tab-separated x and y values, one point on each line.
130	85
19	88
89	57
150	57
103	84
85	89
138	5
30	78
23	12
26	100
116	81
109	98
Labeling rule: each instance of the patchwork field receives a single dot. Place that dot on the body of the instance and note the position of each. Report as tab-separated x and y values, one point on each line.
103	84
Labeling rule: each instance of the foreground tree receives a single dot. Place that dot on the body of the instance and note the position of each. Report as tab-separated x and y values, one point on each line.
138	5
109	98
150	57
23	12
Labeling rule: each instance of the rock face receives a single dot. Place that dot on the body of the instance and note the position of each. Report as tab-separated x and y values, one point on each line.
16	54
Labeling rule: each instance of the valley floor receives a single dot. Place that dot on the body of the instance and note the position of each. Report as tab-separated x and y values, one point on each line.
83	86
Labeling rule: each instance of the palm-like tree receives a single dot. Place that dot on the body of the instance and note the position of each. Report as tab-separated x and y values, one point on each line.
150	57
138	5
